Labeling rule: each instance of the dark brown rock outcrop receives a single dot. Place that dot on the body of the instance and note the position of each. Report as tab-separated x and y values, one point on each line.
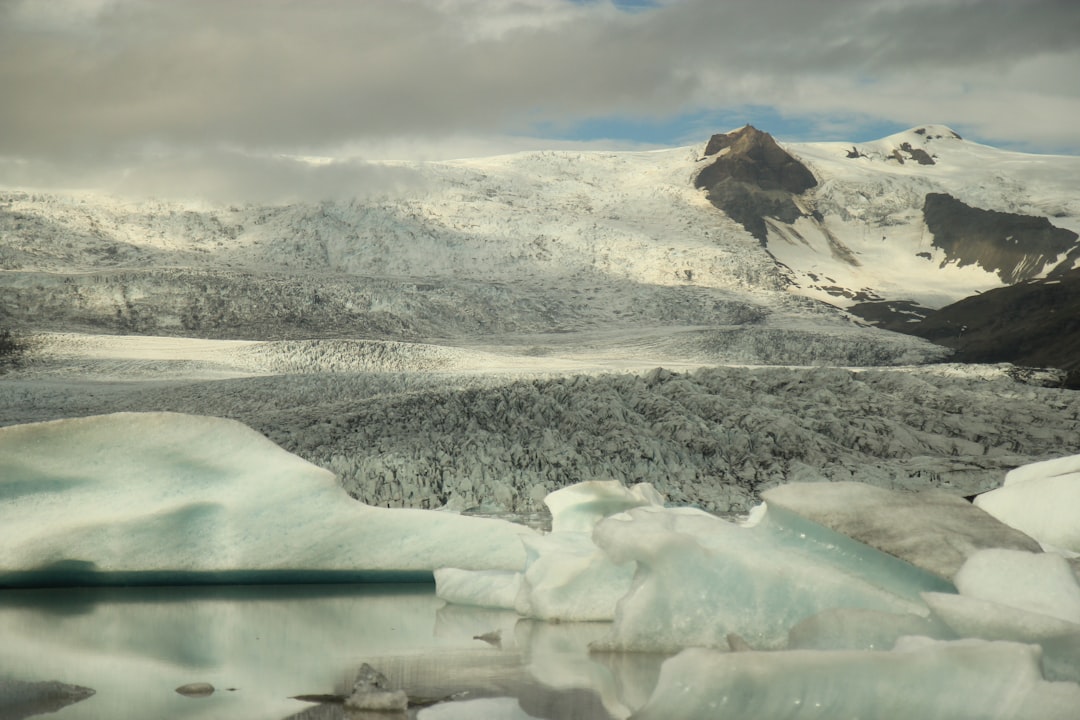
1016	247
755	178
1034	324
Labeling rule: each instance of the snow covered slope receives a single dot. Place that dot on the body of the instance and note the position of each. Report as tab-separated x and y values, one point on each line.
871	233
546	241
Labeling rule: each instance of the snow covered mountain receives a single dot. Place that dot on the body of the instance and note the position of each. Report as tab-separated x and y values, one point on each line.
922	216
557	240
494	333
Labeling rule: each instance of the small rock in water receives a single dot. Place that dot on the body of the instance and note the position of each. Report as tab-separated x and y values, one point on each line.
21	698
196	690
737	644
370	692
491	638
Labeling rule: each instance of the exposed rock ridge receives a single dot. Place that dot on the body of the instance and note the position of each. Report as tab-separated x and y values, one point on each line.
1033	323
1016	247
753	178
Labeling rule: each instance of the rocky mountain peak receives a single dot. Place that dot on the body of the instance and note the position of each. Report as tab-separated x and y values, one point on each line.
753	178
754	156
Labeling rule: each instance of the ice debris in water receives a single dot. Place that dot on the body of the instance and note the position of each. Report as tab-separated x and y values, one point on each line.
565	575
700	578
371	692
920	678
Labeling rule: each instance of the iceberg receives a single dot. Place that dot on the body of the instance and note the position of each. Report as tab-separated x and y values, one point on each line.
578	507
701	579
565	576
920	678
929	529
496	589
819	605
568	578
1017	596
140	498
1034	582
1040	499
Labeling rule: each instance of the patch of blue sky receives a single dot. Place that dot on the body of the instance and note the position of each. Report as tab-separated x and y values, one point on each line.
696	127
625	5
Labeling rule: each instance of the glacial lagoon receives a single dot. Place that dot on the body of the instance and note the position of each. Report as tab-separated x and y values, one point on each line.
259	646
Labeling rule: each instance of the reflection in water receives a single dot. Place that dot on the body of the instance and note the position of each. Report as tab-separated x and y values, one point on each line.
259	646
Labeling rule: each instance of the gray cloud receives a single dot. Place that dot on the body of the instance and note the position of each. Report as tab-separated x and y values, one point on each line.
222	176
85	82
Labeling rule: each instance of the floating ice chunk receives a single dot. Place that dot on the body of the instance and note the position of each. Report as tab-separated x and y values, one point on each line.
921	678
371	692
1068	465
978	618
196	690
700	578
21	698
1041	499
1017	596
146	494
479	588
568	578
845	629
929	529
1040	583
577	508
975	618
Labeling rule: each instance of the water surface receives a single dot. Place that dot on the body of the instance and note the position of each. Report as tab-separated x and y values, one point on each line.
261	645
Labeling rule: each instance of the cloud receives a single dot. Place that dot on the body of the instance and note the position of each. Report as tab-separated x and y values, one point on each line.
223	176
84	82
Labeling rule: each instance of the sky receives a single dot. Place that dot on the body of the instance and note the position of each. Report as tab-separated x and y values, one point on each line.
265	98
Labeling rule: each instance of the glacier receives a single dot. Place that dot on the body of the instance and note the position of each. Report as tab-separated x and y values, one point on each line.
581	331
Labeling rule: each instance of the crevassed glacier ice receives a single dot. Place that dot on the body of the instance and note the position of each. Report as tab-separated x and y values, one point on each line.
1041	499
142	494
921	678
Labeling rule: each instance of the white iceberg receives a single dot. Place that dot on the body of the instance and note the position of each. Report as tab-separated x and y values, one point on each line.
479	588
577	508
1016	596
160	496
1041	500
568	578
1035	582
929	529
700	579
921	678
565	576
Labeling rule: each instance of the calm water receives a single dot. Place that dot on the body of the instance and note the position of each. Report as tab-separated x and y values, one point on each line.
261	645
